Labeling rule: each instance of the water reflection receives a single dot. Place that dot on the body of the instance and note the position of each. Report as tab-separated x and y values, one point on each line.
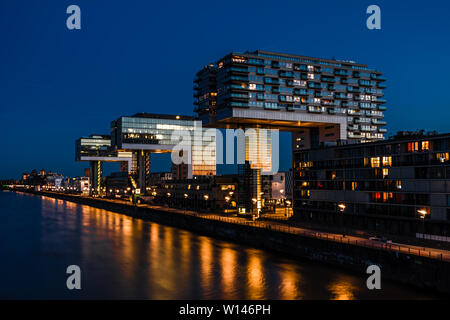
343	288
122	257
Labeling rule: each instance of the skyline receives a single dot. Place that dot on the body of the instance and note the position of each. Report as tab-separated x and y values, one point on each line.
60	84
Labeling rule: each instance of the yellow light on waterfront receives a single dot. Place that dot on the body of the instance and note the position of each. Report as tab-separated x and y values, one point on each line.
342	206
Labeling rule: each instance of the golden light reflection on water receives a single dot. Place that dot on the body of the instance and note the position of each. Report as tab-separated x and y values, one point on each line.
289	283
228	274
343	288
175	264
206	264
256	281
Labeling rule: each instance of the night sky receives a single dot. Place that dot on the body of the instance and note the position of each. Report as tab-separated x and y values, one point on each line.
141	56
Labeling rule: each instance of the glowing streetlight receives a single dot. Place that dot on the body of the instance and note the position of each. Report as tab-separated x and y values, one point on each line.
342	207
422	213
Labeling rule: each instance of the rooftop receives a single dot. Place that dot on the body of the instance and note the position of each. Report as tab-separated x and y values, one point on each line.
162	116
400	136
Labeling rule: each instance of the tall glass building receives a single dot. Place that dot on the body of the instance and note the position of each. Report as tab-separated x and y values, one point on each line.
144	133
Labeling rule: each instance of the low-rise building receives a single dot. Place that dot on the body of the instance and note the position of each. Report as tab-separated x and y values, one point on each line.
400	185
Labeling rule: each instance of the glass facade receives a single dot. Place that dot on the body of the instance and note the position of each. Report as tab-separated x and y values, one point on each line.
262	80
258	149
93	146
142	131
397	178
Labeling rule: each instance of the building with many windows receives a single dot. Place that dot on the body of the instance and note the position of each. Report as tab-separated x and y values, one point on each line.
144	133
96	149
316	99
400	185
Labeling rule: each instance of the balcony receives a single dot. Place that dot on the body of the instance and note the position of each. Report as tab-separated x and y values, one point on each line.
382	130
239	104
382	108
379	122
377	77
352	135
366	106
381	85
314	109
328	79
287	74
341	72
342	96
380	100
353	89
314	85
300	92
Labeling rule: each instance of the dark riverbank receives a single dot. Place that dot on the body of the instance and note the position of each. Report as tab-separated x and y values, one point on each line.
421	272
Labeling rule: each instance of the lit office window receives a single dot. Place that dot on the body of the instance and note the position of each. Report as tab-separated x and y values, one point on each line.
387	161
375	162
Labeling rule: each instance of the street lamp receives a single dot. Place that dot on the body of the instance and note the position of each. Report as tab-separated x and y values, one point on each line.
206	197
341	207
287	204
185	201
422	214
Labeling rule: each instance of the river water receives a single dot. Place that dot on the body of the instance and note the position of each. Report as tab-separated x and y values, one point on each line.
125	258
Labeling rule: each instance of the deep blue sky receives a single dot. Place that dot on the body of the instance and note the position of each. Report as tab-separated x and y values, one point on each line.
135	56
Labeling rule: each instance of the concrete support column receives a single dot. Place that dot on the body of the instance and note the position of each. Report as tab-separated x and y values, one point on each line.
96	178
143	170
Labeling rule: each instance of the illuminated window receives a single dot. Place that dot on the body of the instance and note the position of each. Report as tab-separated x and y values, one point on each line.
375	162
442	157
425	145
385	172
306	164
413	146
398	184
387	196
387	161
354	185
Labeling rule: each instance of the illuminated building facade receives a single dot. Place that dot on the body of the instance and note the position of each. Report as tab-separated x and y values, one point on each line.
97	149
316	99
144	133
400	185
